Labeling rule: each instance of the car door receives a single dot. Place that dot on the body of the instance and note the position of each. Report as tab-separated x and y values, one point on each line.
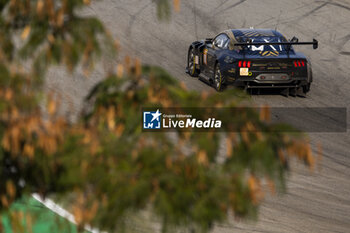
219	44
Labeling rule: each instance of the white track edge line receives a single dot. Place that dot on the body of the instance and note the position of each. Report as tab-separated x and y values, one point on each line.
57	209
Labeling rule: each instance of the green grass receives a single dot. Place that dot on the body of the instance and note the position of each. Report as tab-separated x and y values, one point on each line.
30	216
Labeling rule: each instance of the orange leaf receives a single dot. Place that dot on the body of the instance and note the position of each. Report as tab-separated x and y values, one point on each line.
119	130
120	70
29	223
8	94
245	136
51	38
25	32
6	142
202	157
60	17
177	4
92	212
10	189
265	113
183	85
138	68
229	147
28	150
127	64
51	107
309	157
255	190
110	118
39	7
4	201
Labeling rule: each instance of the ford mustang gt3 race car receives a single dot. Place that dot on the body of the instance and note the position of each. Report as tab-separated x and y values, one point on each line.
251	58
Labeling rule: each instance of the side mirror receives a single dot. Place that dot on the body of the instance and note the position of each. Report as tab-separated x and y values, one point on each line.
315	43
294	39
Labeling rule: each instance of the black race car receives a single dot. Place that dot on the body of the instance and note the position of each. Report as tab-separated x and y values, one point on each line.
251	58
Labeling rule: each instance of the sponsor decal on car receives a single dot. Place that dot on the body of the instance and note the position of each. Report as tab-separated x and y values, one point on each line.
205	56
269	53
244	71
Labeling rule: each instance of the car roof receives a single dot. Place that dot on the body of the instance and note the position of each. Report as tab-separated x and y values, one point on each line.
251	33
239	35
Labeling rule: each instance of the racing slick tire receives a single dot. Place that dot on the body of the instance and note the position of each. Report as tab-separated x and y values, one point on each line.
218	78
306	88
191	64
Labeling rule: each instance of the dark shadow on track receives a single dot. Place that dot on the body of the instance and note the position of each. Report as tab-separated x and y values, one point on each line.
268	91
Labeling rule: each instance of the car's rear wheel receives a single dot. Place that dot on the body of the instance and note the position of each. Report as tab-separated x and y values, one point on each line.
218	79
306	88
191	64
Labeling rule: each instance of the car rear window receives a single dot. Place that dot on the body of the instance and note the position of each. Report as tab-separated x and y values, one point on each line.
279	48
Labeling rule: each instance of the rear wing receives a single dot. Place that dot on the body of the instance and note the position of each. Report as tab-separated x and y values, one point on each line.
245	44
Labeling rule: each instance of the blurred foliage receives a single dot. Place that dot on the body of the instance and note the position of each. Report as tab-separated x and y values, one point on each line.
163	9
104	161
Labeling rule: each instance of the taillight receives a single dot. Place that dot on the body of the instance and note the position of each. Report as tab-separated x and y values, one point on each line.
299	63
246	64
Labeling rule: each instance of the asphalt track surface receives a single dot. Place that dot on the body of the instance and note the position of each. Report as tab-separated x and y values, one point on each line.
315	202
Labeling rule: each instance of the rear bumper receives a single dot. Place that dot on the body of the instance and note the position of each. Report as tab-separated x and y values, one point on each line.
274	85
277	84
268	80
